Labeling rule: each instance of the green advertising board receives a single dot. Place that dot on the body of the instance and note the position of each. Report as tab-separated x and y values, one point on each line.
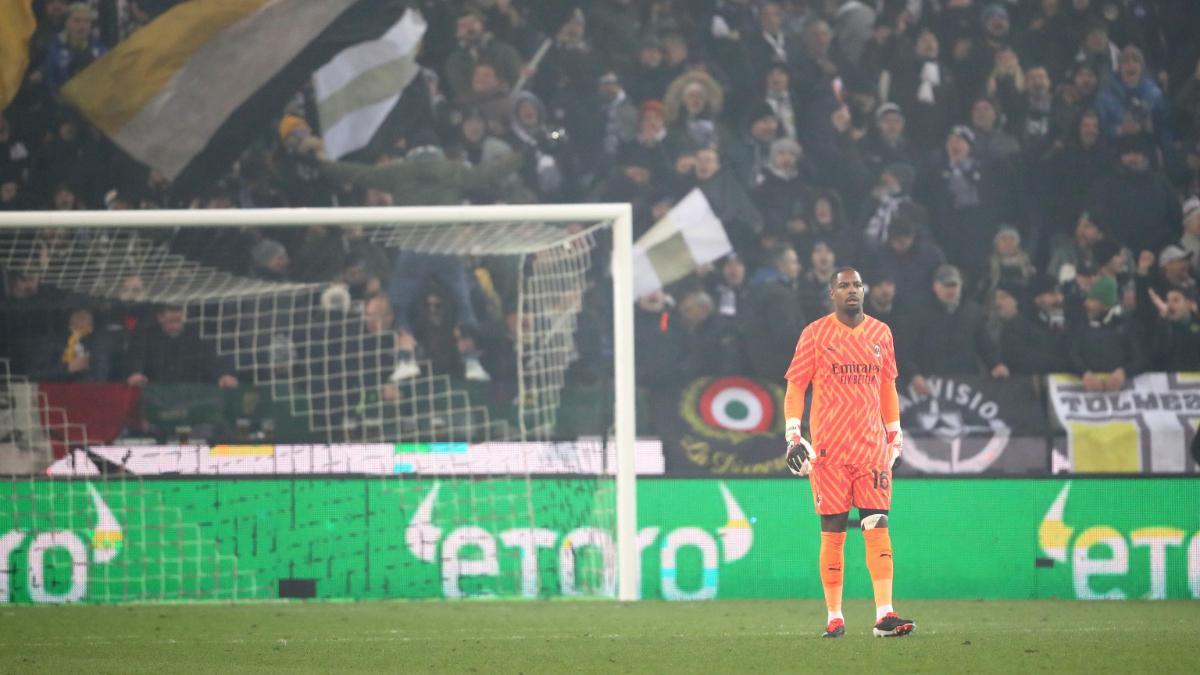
121	540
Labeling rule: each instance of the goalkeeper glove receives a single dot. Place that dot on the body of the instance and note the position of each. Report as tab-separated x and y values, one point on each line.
895	442
799	453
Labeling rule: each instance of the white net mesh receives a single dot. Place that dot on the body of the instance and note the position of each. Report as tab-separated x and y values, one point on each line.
326	359
466	531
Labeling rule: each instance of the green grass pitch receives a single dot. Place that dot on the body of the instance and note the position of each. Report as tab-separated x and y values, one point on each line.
575	636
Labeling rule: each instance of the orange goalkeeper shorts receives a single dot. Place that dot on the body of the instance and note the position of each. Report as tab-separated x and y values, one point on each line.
838	487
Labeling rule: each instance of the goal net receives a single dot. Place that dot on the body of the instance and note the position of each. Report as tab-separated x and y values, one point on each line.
444	421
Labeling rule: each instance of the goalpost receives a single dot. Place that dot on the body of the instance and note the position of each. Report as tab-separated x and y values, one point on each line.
316	357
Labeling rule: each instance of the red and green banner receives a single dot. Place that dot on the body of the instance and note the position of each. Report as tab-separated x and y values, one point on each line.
106	541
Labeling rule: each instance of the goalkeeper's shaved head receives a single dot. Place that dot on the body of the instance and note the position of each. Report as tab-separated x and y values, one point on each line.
846	291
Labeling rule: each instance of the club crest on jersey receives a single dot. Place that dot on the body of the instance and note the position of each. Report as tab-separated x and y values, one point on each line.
878	352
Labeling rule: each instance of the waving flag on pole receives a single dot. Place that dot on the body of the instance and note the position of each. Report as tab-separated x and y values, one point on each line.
360	86
188	92
16	28
690	235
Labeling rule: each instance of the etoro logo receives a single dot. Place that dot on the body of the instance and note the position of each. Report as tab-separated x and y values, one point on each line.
106	541
1100	555
472	551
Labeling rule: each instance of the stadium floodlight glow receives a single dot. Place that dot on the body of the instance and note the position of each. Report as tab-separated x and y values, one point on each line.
96	252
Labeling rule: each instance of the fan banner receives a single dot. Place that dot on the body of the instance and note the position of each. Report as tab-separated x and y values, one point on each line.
733	426
975	425
1146	427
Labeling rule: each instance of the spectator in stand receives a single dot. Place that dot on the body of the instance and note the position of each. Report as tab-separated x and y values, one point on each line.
773	316
961	196
648	78
1096	49
441	338
825	221
72	50
819	65
1047	38
949	335
1174	332
476	143
888	144
298	179
909	259
1075	252
14	154
1034	341
550	157
477	45
729	286
693	105
1032	116
79	353
779	97
168	350
750	153
633	181
1136	205
620	117
1131	104
728	199
992	143
1075	96
271	261
1103	348
892	193
881	301
770	44
784	189
1185	107
1190	241
1006	83
1175	268
12	197
657	344
1076	164
710	340
489	97
925	90
814	282
1009	265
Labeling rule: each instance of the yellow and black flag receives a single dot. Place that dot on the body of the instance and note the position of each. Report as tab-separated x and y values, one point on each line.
16	28
189	91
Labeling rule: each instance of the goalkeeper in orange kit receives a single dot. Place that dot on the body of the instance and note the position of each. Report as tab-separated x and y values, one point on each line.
854	422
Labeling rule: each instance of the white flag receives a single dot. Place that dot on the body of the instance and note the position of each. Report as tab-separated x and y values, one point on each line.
690	235
360	86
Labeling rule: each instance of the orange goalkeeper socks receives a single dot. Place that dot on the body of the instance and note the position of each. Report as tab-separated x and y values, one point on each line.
879	563
832	562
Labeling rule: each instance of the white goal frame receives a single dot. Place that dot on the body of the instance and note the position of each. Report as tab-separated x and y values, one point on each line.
621	216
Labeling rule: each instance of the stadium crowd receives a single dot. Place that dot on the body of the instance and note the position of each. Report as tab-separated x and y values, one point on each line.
1018	181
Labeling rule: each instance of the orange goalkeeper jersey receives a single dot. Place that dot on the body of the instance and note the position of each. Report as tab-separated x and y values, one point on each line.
847	367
